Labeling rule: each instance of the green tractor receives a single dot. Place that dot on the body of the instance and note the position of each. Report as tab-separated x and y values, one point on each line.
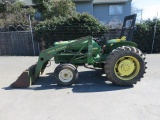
122	62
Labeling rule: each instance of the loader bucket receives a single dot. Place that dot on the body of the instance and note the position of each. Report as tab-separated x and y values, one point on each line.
25	79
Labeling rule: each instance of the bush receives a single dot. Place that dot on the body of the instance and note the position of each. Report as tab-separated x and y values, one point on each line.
144	34
68	28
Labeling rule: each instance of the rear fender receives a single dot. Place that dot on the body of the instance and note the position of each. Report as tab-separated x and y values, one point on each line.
113	46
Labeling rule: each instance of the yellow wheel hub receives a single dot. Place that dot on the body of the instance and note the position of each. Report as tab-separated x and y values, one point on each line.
126	68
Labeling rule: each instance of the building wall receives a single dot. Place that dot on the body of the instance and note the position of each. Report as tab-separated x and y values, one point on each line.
127	8
101	12
84	7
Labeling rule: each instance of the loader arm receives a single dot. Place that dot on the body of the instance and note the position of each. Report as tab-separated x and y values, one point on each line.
30	75
49	53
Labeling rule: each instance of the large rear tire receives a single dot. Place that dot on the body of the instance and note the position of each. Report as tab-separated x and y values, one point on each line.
66	74
125	66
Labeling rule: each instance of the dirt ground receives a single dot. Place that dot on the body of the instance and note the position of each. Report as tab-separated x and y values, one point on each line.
92	98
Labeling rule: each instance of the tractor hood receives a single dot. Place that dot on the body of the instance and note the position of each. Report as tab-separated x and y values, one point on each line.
116	40
82	45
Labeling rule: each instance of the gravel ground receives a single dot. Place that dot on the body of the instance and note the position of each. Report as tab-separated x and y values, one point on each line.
92	98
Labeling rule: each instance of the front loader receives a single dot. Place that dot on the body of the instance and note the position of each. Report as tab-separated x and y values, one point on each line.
122	62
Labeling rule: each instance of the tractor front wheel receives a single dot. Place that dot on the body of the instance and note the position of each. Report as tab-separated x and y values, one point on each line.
125	66
65	74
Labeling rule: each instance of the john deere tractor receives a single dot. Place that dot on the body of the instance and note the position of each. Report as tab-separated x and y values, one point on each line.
123	63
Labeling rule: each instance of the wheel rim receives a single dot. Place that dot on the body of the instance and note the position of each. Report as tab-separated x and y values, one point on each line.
127	67
65	75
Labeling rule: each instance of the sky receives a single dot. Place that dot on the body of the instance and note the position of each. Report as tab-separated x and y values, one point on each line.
150	8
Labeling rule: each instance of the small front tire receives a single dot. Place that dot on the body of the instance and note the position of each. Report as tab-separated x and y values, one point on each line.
65	74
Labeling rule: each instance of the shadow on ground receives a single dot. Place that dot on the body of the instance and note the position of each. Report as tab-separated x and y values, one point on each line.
88	81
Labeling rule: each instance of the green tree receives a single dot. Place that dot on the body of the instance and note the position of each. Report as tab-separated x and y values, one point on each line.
55	8
62	22
2	9
15	14
68	28
144	35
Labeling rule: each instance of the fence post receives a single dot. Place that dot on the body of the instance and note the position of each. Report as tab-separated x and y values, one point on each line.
155	27
38	48
31	34
12	43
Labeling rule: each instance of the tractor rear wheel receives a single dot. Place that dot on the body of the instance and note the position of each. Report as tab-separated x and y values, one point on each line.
65	74
125	66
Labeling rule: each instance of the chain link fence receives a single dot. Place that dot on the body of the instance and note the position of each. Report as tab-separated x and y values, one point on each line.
18	43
